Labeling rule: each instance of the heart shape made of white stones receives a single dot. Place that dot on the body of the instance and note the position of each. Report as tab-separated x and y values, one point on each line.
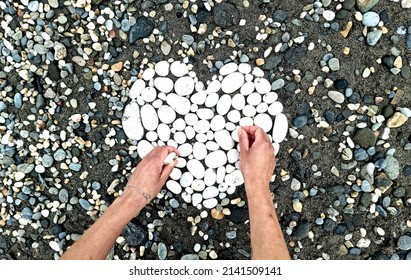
170	106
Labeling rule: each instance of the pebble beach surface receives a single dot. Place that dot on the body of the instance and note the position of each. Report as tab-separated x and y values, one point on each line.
89	87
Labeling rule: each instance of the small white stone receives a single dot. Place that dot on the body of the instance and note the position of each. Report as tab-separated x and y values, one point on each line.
328	15
406	111
178	69
238	102
270	97
179	124
217	123
235	178
262	86
196	168
214	86
186	197
190	132
151	136
131	122
184	86
224	140
198	185
247	88
216	159
249	111
336	96
186	179
257	72
244	68
233	156
210	192
149	117
212	100
173	187
40	169
262	107
143	148
196	199
210	203
199	151
234	116
185	150
149	94
54	245
210	177
228	68
191	119
180	104
220	174
202	126
212	146
254	99
264	121
275	108
18	176
162	68
280	128
205	114
224	104
199	98
246	121
136	89
232	82
180	137
148	74
163	132
164	84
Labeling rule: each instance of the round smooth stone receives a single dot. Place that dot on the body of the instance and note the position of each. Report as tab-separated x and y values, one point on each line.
280	128
210	203
262	86
254	99
214	87
262	108
238	102
270	97
148	74
162	68
228	68
216	159
217	123
220	174
184	86
151	136
143	148
198	185
249	111
186	179
196	168
210	177
275	108
186	197
175	174
180	137
244	68
212	100
179	124
199	151
257	72
196	199
199	86
224	140
181	162
149	117
166	114
137	88
210	192
157	103
276	148
212	146
149	94
173	187
185	150
191	119
40	169
199	98
178	69
190	132
180	104
131	122
234	116
232	82
224	104
163	132
235	178
164	84
233	156
264	121
202	126
246	121
205	114
247	88
201	137
230	126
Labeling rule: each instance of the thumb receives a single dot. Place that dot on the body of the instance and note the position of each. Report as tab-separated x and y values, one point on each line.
243	139
167	169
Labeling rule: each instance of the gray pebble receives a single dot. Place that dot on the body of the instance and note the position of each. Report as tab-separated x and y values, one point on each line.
162	251
85	204
18	100
404	243
370	19
373	37
75	166
59	155
47	160
63	196
392	170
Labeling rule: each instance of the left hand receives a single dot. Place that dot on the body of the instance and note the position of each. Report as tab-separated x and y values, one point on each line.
150	174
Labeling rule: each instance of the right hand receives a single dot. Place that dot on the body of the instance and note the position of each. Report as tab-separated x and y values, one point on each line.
257	160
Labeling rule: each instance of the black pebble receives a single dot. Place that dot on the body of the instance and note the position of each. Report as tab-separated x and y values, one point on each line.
341	84
406	170
329	225
301	230
238	215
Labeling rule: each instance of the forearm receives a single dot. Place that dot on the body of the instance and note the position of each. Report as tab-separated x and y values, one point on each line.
98	240
267	239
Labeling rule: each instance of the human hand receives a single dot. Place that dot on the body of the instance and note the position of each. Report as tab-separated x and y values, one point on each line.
257	160
151	173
